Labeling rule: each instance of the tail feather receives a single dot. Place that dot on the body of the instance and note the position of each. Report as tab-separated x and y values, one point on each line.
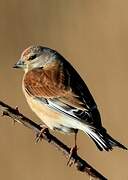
115	143
97	143
102	139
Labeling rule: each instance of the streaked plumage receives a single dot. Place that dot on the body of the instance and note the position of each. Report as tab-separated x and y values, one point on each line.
59	97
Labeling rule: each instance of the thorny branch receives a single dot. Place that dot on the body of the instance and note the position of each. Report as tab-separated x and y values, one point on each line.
80	164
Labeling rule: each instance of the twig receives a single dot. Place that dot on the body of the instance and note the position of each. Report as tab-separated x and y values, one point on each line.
80	164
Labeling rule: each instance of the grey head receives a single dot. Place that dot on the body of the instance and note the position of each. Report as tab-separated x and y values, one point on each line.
35	57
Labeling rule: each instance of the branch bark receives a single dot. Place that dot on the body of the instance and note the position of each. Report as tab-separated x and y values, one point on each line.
80	164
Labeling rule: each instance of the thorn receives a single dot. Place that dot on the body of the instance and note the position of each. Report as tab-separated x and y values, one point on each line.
17	109
4	113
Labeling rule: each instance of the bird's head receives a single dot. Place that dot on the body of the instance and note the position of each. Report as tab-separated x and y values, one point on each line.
35	57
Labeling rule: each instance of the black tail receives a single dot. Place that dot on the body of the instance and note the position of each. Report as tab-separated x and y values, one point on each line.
103	140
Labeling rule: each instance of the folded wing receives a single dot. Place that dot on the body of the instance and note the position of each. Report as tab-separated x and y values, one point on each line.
64	90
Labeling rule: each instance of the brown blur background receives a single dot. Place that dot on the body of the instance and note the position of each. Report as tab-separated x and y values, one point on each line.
93	36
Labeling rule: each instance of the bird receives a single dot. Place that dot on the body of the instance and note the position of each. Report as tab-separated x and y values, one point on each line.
60	98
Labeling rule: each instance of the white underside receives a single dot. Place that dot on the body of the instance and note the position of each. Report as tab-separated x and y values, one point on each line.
53	119
56	120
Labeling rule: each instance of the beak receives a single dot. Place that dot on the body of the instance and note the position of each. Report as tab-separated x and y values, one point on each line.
19	64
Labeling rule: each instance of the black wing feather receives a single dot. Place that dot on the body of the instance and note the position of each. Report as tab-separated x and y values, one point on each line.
80	88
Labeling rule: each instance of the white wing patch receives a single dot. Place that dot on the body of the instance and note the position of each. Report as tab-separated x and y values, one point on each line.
74	120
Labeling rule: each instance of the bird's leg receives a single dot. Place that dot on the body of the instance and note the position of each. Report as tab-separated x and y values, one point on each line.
73	151
39	135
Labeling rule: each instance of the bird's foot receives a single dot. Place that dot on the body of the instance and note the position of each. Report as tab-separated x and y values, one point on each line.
39	135
73	152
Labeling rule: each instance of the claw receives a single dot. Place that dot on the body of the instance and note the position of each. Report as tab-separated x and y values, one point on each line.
73	152
39	136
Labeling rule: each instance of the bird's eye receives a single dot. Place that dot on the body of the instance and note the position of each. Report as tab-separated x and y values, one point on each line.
32	57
